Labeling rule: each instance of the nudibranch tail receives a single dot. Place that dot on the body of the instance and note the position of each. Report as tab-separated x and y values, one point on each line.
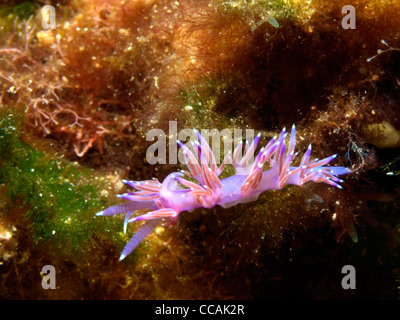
166	200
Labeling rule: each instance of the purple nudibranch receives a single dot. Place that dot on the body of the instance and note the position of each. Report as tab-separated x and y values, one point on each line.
176	194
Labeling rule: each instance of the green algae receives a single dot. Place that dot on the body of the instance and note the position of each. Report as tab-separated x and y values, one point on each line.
211	100
202	99
258	12
23	10
60	197
201	96
392	168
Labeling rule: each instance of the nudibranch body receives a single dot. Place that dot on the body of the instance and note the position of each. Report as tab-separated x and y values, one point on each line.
176	193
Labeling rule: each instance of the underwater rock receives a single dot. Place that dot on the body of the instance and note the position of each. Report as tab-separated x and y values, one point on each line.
382	135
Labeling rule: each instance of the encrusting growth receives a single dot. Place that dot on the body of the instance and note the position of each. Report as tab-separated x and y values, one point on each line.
176	194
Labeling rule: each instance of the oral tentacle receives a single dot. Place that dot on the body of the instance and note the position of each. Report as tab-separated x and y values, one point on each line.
138	237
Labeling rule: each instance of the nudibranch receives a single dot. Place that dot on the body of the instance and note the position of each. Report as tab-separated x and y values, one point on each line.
178	192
